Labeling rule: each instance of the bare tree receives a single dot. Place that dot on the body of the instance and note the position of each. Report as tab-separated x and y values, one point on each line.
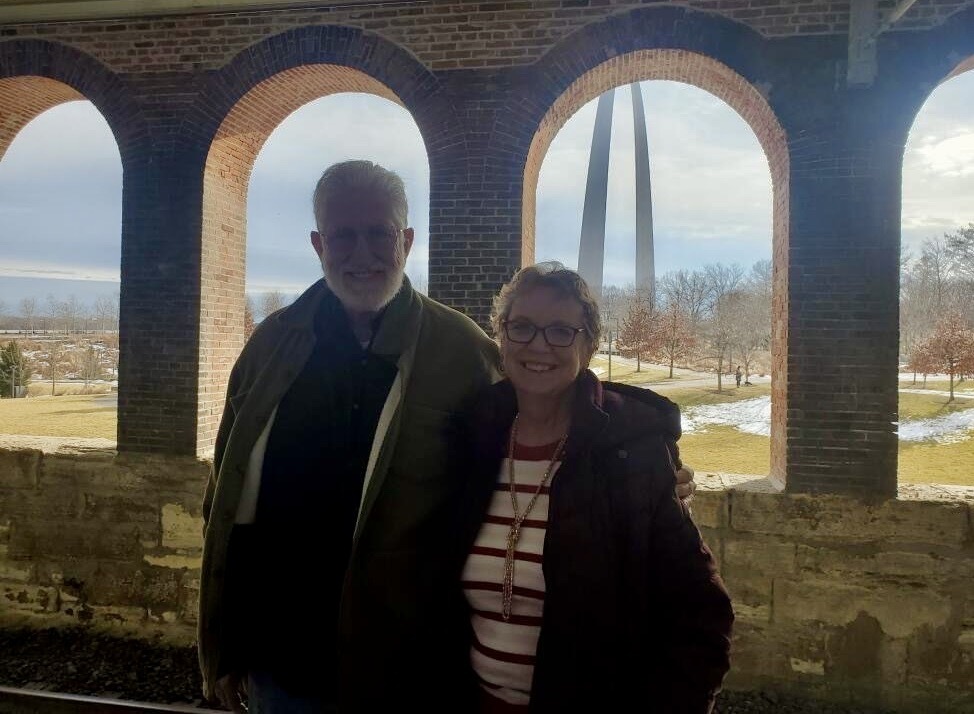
960	248
110	341
613	302
55	313
90	366
28	310
55	356
676	339
638	336
248	317
720	329
106	312
270	303
752	322
421	283
688	290
73	311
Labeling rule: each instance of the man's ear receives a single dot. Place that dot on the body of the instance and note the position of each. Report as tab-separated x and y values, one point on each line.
317	242
407	237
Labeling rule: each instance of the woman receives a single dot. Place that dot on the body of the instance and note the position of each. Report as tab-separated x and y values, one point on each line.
587	584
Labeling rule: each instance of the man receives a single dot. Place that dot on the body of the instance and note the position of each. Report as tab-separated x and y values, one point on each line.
324	585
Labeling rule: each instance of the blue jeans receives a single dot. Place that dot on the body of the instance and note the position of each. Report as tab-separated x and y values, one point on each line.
265	696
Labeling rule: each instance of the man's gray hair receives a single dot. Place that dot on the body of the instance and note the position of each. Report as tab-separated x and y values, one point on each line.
358	175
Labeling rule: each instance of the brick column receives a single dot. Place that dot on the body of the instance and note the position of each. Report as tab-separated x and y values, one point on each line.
475	196
160	301
843	316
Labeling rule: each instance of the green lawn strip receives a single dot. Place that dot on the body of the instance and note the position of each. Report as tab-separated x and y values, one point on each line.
930	462
942	385
928	406
694	396
76	415
627	374
725	449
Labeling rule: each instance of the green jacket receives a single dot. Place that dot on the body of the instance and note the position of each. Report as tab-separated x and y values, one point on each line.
392	622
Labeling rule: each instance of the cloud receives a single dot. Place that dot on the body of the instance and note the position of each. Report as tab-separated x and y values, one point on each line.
938	164
952	157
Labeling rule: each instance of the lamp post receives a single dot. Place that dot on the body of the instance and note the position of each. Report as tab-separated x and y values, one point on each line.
609	322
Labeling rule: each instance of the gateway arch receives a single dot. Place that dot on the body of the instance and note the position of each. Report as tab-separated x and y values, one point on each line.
591	249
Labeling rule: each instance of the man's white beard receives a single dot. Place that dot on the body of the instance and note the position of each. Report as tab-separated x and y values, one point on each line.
362	299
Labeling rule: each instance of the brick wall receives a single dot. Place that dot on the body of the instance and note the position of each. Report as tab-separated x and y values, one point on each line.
443	35
192	99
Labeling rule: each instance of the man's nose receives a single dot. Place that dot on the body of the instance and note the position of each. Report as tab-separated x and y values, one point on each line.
361	247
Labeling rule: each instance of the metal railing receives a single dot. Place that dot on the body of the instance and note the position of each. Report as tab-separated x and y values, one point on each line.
33	701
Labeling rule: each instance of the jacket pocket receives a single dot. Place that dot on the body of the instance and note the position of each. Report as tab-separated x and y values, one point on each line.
421	449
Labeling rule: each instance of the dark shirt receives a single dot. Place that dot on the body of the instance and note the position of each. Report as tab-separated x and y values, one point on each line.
289	566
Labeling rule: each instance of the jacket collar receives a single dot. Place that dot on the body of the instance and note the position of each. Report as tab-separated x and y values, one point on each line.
636	410
395	328
588	417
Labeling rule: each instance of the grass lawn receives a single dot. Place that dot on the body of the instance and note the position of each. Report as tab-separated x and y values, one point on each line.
930	462
625	373
927	406
76	415
721	448
724	448
692	396
943	385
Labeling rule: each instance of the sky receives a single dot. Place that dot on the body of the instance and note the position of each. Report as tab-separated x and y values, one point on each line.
60	188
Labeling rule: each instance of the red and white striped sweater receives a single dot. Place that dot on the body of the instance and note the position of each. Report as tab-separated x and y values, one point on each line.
503	653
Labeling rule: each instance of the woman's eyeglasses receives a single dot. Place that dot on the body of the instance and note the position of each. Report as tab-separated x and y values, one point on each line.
522	332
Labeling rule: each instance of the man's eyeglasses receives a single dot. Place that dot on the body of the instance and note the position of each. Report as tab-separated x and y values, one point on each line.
522	332
380	238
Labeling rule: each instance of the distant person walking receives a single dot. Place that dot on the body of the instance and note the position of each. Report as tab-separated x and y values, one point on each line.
737	375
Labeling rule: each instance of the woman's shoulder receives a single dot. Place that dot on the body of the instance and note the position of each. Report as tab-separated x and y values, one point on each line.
640	412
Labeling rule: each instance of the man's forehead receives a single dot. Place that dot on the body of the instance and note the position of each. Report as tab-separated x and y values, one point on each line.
358	206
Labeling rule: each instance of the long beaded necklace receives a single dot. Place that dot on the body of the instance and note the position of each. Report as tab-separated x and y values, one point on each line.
514	535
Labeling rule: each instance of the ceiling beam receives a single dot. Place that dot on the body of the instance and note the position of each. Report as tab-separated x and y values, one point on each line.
23	11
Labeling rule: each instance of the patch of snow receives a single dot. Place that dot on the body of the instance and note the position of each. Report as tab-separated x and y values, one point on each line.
947	429
753	416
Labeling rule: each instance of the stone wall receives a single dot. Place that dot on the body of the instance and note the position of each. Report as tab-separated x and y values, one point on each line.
87	536
848	600
835	598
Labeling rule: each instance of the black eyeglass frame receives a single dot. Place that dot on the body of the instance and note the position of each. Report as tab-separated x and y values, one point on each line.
344	239
543	330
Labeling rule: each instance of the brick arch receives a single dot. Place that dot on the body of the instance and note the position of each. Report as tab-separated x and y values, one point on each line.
252	96
24	98
36	75
621	50
919	62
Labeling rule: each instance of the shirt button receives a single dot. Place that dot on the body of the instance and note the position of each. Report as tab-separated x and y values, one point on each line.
355	406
